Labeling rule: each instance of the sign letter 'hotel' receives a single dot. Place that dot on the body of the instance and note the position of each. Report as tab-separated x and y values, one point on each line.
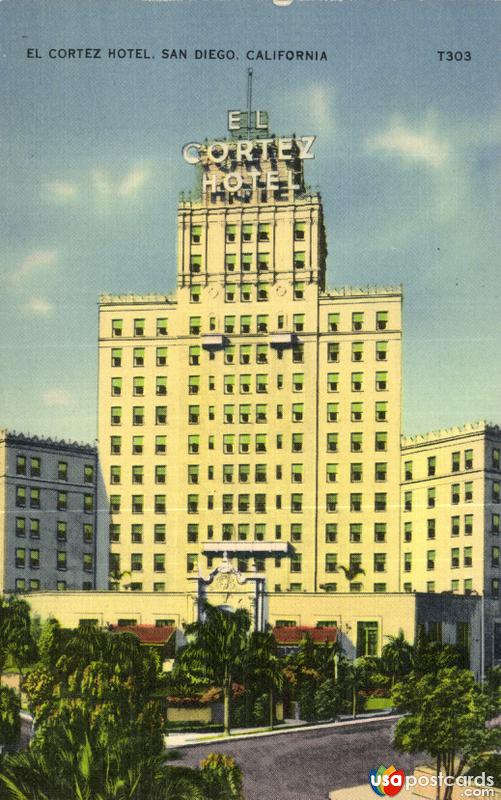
255	414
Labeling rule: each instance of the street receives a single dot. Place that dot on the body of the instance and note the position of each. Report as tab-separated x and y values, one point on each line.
306	765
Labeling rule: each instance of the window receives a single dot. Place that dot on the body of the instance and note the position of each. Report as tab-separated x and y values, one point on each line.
159	562
20	585
381	351
139	327
193	503
263	232
495	457
380	442
468	556
299	231
331	502
246	233
455	462
332	441
296	562
261	383
161	356
455	557
495	588
332	352
260	443
408	501
194	355
468	586
407	562
331	473
115	474
229	293
260	503
245	384
61	560
407	531
331	562
332	381
356	532
298	355
35	467
380	531
332	412
137	445
62	501
160	415
138	356
431	495
430	559
260	473
114	532
356	472
195	326
137	503
357	381
468	524
196	234
298	291
193	415
468	459
245	325
357	412
88	533
228	443
34	528
380	501
193	384
496	492
262	323
162	326
381	381
246	262
20	465
116	357
381	412
191	562
381	320
331	532
192	532
355	501
357	351
432	466
115	503
367	639
297	443
379	562
20	526
138	415
495	523
231	233
495	556
455	493
21	496
136	562
297	412
116	327
161	445
20	557
357	321
296	532
88	562
468	492
454	526
356	441
381	471
408	470
333	322
296	502
431	528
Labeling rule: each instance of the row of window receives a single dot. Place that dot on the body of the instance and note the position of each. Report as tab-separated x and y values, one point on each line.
431	495
138	415
431	558
243	530
249	232
32	466
459	461
467	586
243	504
230	441
262	321
33	585
33	494
247	261
21	559
262	381
32	526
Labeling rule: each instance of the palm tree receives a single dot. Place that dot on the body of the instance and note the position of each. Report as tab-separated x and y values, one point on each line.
217	649
263	665
397	656
352	571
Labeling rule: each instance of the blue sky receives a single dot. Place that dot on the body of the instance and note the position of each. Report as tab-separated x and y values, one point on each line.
407	160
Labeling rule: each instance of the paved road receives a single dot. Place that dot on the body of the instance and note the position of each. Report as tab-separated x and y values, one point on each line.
308	764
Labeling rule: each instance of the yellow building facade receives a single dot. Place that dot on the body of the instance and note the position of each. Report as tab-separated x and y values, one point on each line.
253	413
451	506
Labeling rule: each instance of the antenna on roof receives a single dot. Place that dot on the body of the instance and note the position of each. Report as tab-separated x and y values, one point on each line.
249	100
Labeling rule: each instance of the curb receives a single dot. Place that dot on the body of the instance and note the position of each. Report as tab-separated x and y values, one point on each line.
281	732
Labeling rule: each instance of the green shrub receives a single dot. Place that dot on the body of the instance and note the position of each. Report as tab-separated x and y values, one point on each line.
10	725
222	777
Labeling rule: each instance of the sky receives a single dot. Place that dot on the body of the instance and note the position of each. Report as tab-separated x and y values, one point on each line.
407	160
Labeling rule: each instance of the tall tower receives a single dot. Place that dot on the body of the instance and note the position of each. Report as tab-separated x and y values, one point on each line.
255	415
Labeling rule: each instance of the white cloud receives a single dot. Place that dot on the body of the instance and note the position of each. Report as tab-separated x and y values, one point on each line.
36	261
133	181
38	306
62	191
423	145
57	397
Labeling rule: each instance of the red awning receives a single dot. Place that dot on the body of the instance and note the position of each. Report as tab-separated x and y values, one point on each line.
147	634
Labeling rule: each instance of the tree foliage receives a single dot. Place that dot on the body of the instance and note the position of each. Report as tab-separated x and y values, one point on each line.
16	640
446	717
10	707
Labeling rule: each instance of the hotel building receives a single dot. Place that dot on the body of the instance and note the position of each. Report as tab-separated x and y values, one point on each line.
255	413
47	514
